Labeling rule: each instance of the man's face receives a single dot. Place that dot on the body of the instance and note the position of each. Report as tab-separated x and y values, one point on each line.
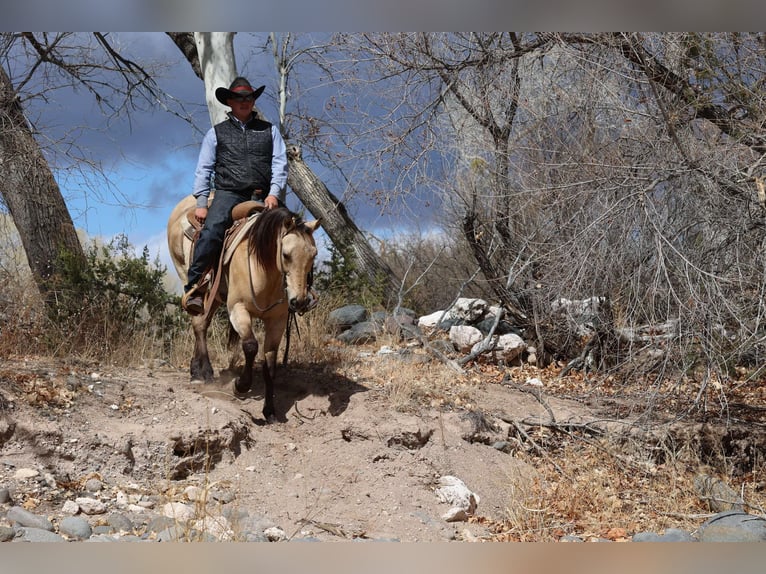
241	106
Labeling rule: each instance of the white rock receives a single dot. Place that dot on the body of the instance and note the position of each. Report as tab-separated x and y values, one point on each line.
470	310
433	319
217	526
535	382
464	337
90	505
25	473
508	346
178	511
121	499
70	507
454	492
275	534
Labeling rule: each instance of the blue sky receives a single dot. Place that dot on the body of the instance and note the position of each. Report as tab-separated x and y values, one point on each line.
147	161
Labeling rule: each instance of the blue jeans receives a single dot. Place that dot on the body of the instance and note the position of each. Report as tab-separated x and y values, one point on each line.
207	250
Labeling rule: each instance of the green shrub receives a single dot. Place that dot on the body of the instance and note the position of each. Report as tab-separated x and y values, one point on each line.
113	298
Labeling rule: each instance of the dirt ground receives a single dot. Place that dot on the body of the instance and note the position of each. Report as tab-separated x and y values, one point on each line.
339	463
347	458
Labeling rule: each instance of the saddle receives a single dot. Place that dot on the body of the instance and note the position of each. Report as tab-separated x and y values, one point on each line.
244	215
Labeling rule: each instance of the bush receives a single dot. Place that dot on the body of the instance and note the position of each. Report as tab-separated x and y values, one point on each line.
111	300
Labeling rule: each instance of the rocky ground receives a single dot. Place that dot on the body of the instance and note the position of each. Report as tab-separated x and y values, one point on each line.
93	452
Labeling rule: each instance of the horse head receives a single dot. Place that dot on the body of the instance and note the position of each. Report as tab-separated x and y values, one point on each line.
297	254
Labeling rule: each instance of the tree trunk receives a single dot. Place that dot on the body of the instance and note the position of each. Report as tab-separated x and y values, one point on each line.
32	195
215	55
336	222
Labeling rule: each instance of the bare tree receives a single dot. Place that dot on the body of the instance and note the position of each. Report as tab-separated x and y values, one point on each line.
621	166
216	54
29	190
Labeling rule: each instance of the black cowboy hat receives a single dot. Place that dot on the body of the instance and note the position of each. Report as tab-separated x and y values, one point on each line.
239	87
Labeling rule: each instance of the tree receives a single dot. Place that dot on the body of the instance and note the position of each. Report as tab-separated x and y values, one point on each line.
32	195
622	166
29	190
214	63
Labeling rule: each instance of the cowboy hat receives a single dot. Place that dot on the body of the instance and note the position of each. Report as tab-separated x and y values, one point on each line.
239	87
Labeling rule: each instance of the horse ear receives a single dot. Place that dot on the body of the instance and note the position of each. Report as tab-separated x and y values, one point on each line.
312	226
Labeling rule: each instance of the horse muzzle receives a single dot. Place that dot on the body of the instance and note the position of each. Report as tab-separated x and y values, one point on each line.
303	304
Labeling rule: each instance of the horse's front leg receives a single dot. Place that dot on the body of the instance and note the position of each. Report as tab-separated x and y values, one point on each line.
200	368
272	338
243	324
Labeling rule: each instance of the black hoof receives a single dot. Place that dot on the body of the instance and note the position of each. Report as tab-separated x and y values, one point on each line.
241	387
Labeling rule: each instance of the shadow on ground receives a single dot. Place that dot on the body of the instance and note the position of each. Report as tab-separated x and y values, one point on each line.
293	383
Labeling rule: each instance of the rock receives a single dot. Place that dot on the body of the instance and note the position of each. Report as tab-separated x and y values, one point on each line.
733	526
75	527
464	337
346	317
28	534
70	507
360	333
90	505
455	514
454	492
24	473
25	518
509	347
119	522
5	496
7	533
670	535
275	534
470	310
718	495
178	511
93	485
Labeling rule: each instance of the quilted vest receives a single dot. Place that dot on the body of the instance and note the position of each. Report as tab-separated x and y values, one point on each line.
243	157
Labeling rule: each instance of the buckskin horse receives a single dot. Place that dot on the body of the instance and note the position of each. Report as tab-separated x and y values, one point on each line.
265	275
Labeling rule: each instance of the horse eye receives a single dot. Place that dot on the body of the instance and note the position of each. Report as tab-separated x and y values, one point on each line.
286	256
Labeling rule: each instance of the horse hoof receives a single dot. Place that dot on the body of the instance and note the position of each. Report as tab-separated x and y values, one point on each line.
241	387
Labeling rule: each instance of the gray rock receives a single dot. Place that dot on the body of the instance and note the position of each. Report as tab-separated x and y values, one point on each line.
345	317
7	533
119	522
5	496
670	535
94	485
23	517
159	523
646	537
75	527
28	534
360	333
676	535
733	526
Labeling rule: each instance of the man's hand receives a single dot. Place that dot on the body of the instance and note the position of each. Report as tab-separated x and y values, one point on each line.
201	214
271	202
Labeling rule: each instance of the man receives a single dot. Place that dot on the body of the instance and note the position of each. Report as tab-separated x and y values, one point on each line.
248	159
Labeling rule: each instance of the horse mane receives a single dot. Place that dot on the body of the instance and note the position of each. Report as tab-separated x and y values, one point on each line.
263	235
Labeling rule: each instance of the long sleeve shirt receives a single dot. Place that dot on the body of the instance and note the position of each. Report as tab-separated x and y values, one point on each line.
206	164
